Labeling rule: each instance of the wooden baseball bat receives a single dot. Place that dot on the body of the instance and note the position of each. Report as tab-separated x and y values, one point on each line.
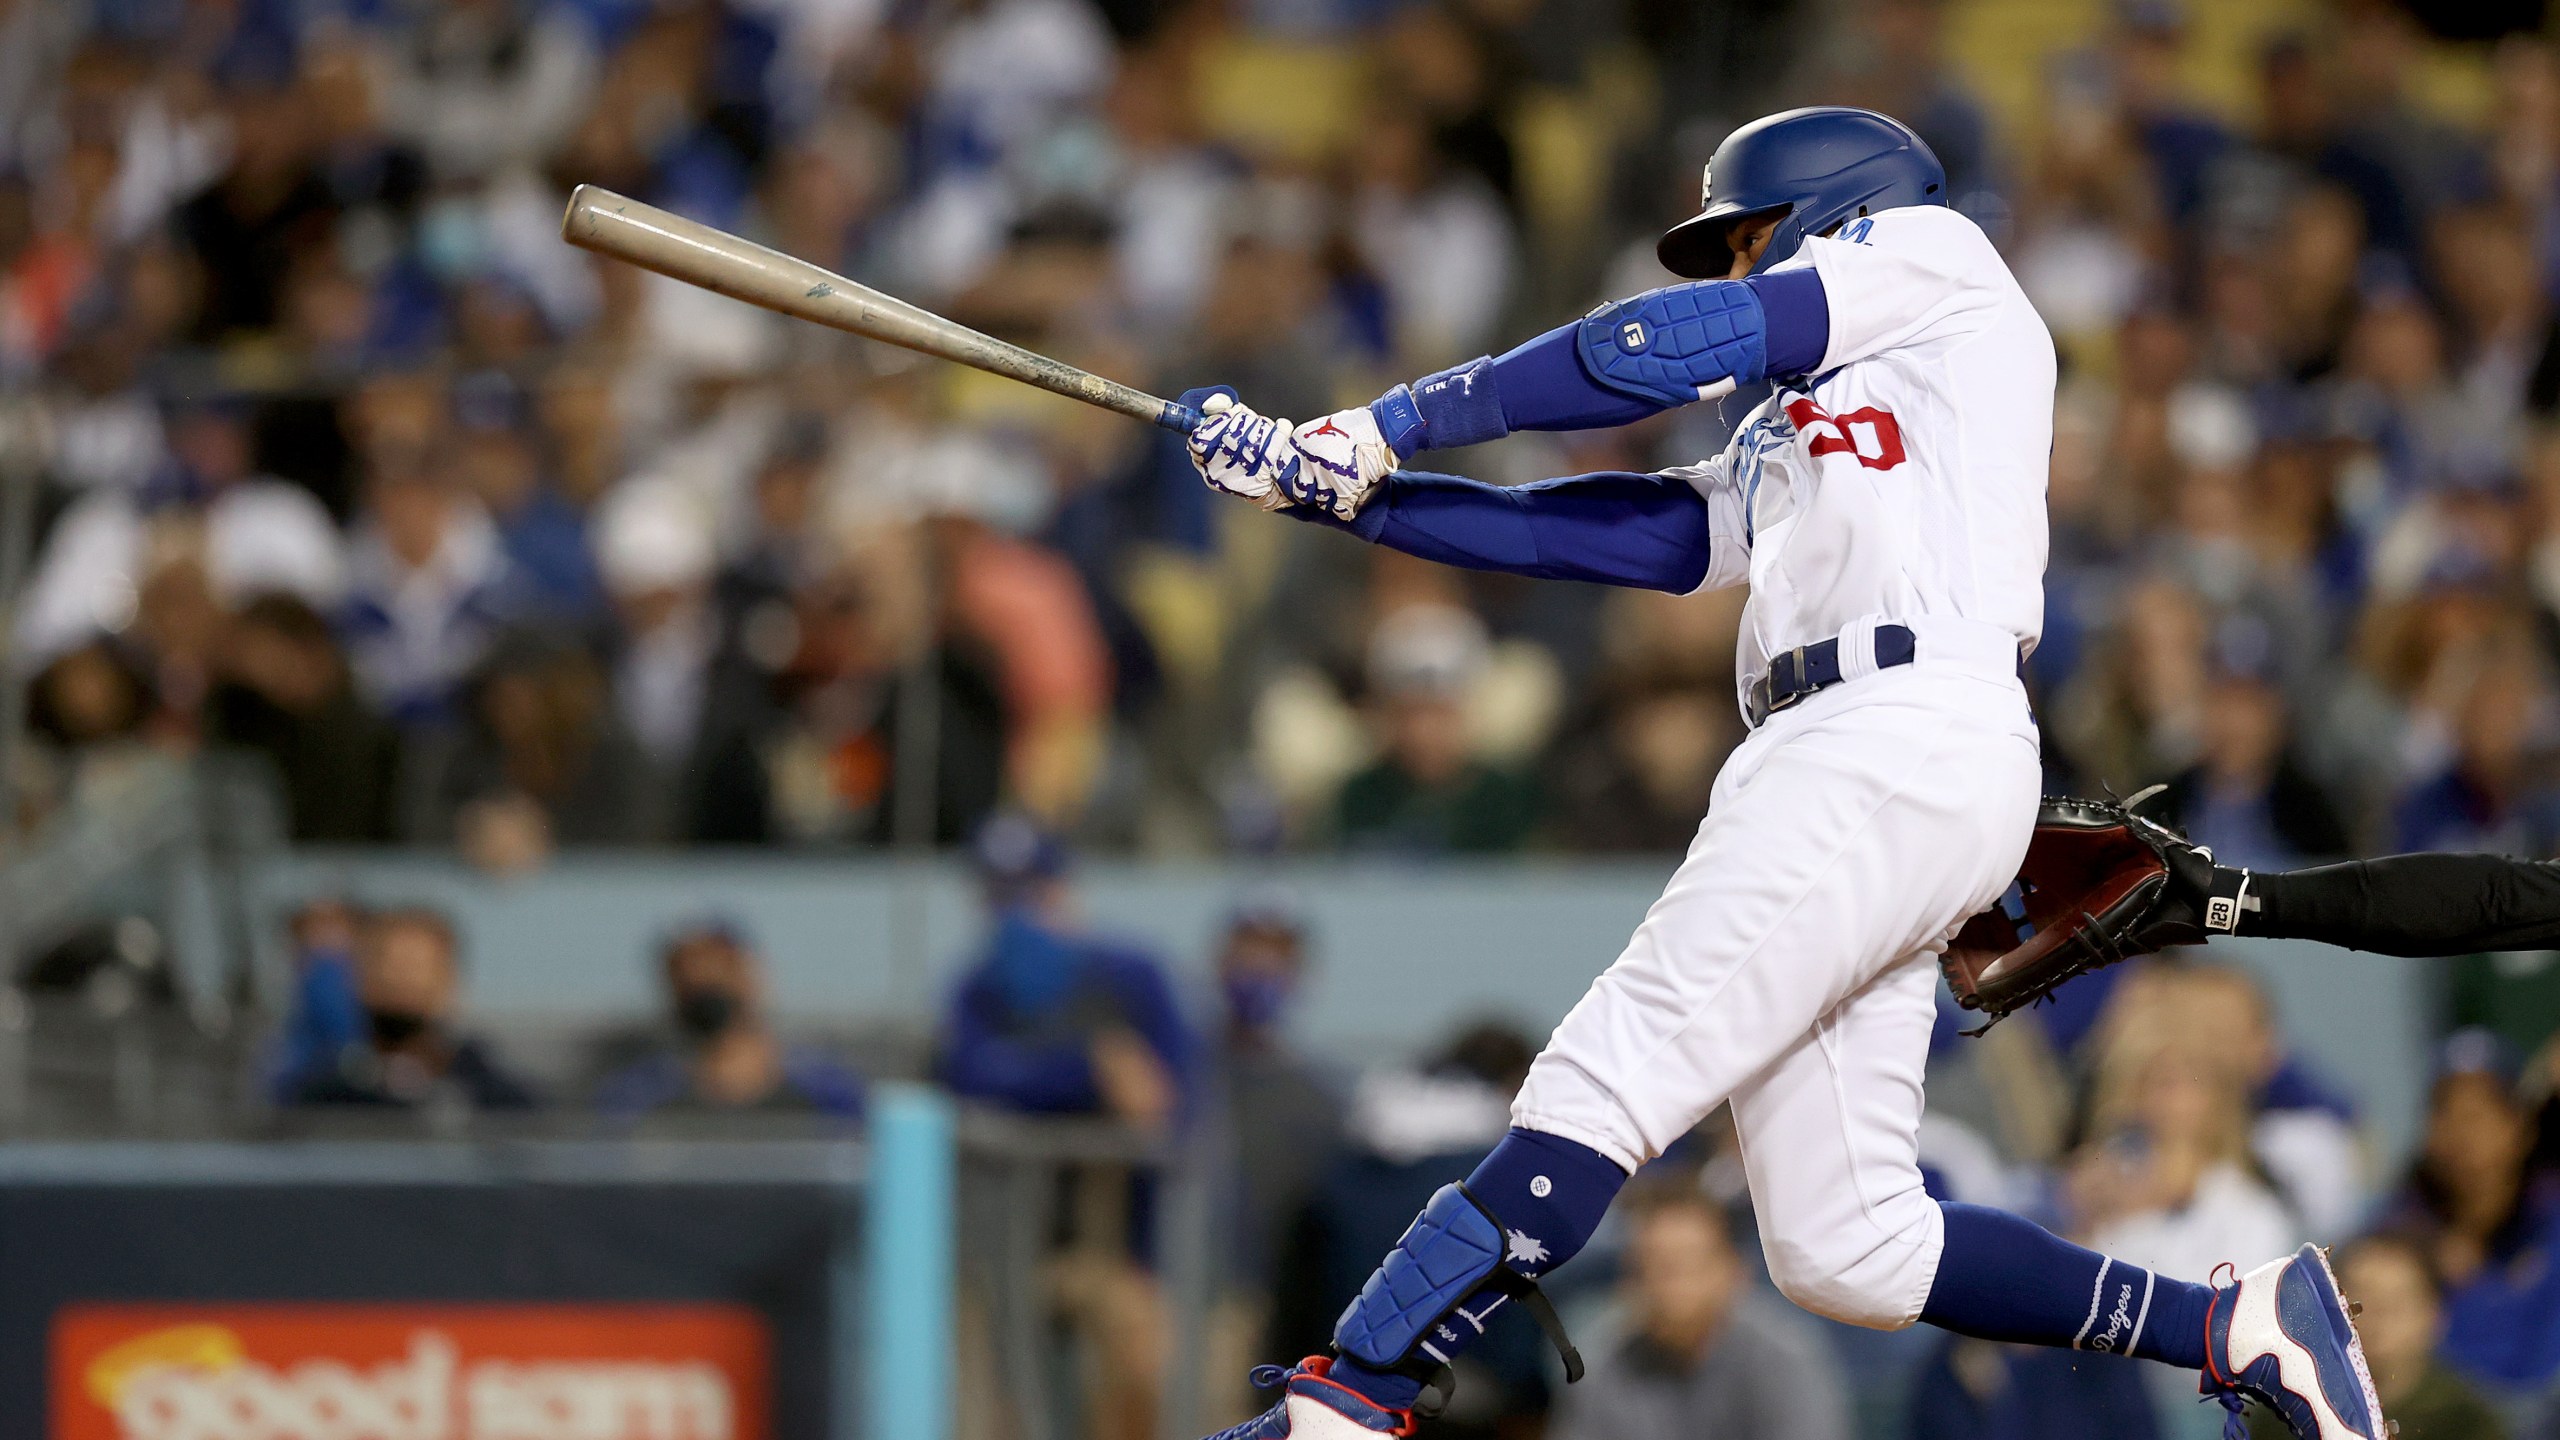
688	250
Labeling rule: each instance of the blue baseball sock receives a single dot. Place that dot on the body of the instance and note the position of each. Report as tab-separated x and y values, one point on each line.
2002	1277
1549	1193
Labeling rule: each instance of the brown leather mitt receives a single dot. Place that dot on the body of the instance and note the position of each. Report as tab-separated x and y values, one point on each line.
2099	884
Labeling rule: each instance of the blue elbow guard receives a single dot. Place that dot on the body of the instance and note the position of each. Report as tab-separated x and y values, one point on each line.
1453	1250
1679	344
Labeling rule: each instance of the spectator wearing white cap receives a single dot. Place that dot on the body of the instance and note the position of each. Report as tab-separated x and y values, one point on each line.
654	547
1428	793
699	658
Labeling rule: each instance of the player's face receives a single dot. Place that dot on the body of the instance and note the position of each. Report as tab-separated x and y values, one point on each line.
1749	236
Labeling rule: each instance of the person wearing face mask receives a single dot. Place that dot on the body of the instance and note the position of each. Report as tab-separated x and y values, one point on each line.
1265	1088
411	1055
727	1057
1054	1019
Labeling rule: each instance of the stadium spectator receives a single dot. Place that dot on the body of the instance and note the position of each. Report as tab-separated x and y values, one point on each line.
1427	793
2249	796
2485	791
1282	1111
849	658
2487	1225
726	1057
1024	608
541	758
413	1054
325	1016
543	534
2303	1137
2165	1172
285	694
1704	1350
89	698
267	204
2166	1175
784	548
431	588
1054	1019
655	548
1661	714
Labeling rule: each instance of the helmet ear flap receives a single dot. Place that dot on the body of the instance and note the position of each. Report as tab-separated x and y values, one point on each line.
1784	241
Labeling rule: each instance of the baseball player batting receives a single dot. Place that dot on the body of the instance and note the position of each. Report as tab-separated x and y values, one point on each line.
1886	505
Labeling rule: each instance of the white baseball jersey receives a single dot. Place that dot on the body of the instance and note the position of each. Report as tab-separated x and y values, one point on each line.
1789	966
1906	479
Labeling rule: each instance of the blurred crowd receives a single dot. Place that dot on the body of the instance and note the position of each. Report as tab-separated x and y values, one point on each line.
349	465
2157	1112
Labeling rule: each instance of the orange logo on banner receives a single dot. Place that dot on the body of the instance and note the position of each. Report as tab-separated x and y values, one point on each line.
409	1372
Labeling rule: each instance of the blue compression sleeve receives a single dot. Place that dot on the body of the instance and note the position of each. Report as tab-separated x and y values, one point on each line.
1799	319
1615	527
1542	385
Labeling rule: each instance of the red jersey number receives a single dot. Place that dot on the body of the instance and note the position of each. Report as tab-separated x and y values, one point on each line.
1870	434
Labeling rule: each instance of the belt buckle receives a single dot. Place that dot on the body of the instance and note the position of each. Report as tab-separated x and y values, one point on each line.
1797	688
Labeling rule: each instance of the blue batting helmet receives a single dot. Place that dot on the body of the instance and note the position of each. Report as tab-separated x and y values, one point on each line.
1823	165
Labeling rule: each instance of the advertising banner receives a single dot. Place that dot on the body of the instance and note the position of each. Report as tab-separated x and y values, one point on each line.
263	1371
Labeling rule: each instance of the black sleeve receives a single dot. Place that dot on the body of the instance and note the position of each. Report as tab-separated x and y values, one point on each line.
2415	905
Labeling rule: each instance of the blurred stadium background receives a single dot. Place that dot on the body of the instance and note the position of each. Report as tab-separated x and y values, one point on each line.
581	863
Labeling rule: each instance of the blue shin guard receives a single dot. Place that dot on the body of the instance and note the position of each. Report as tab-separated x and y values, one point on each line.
1407	1320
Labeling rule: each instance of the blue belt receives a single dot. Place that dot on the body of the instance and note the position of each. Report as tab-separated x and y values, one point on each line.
1795	674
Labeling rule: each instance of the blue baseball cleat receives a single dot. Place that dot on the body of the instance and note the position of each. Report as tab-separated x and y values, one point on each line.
2282	1336
1317	1408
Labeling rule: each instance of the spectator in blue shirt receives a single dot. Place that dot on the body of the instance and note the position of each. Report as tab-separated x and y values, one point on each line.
1053	1019
544	536
2248	795
325	1017
2488	793
2488	1225
726	1057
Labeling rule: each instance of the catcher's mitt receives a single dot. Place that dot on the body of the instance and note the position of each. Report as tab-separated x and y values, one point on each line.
2100	883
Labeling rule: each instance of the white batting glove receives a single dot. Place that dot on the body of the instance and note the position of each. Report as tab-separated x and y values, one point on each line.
1243	453
1344	459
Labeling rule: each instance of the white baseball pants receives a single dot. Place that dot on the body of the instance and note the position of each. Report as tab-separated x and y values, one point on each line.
1790	967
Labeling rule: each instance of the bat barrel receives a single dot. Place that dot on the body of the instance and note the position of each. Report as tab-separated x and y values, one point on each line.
626	229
